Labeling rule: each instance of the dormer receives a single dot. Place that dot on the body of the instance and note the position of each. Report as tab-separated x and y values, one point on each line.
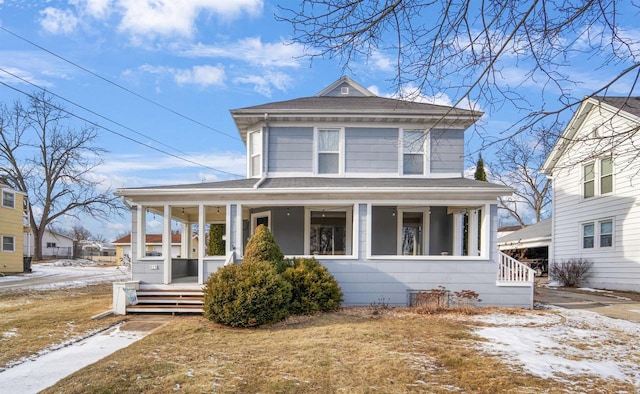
347	131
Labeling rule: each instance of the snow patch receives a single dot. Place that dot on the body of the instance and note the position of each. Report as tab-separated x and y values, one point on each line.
564	343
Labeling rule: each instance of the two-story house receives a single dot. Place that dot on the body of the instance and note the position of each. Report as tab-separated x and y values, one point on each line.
12	229
372	187
595	167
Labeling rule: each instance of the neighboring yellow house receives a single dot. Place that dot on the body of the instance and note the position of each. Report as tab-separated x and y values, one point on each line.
11	229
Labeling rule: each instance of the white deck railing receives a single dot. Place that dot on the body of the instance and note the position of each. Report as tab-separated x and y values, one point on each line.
231	258
511	272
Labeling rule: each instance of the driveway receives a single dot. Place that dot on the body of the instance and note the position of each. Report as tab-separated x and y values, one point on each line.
619	305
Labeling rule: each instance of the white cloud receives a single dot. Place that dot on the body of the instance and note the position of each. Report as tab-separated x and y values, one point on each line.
251	50
98	9
58	21
263	84
177	17
381	62
201	76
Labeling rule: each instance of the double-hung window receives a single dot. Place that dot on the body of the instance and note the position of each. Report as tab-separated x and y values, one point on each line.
8	244
413	152
8	199
255	153
597	178
328	143
597	234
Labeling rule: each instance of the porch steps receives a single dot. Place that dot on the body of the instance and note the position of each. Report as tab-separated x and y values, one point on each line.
168	301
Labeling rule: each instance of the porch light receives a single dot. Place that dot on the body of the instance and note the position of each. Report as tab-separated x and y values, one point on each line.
393	213
218	211
288	213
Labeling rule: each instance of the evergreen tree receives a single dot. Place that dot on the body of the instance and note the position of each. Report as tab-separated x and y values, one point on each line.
480	174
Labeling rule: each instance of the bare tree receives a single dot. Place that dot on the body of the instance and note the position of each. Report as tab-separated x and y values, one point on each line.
43	155
79	233
518	166
471	49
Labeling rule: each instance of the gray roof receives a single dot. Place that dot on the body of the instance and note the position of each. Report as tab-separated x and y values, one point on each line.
539	230
353	103
627	104
335	183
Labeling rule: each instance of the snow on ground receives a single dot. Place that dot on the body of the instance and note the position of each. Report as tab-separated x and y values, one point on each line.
565	343
42	372
64	274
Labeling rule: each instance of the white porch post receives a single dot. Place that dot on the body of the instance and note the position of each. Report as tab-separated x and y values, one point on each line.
141	235
185	241
458	236
473	233
201	243
166	244
238	240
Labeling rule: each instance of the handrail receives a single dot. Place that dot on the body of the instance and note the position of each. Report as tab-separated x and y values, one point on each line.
513	272
231	258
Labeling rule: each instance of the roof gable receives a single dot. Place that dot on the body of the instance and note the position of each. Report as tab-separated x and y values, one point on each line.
343	87
628	107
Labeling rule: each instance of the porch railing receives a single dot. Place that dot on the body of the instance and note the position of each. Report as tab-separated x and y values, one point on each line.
511	272
231	258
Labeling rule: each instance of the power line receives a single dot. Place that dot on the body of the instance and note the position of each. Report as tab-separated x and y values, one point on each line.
119	86
117	133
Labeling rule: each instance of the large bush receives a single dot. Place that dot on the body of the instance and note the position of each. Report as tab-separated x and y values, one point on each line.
571	272
263	247
246	295
314	289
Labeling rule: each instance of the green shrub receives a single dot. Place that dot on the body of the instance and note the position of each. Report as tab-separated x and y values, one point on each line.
263	247
246	295
314	289
216	243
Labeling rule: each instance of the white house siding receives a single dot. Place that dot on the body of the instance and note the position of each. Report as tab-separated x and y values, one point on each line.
63	248
617	267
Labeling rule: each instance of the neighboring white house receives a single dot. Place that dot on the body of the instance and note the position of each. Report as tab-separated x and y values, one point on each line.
54	245
372	187
595	167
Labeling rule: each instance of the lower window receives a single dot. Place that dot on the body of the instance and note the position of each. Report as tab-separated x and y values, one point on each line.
598	234
8	244
329	232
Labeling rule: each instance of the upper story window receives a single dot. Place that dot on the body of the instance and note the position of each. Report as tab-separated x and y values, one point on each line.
413	152
8	199
8	244
329	143
597	234
255	154
597	178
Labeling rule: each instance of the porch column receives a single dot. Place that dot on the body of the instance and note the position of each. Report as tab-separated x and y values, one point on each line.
458	236
141	236
202	241
166	243
473	232
185	244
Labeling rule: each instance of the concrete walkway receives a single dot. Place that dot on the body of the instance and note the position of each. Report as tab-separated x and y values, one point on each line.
619	305
35	375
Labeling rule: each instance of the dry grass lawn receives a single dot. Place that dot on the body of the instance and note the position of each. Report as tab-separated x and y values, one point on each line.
351	351
33	321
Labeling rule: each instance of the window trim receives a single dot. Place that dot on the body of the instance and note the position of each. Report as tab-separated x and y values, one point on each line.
426	148
13	199
13	243
251	154
597	234
597	178
316	150
350	230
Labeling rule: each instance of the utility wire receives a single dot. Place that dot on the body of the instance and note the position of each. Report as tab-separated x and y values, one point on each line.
118	85
119	134
103	117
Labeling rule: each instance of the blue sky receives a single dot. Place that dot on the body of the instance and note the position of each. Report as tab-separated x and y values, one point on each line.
199	58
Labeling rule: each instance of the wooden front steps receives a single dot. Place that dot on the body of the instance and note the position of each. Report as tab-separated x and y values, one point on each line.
168	301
